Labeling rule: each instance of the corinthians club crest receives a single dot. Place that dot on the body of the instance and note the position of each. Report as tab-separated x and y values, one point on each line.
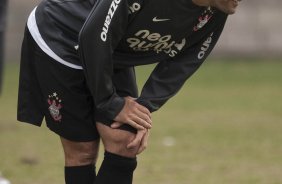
204	19
54	106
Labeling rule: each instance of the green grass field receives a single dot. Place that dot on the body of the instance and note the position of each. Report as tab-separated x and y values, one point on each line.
224	127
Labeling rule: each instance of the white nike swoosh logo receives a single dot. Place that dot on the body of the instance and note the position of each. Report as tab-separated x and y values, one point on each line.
155	19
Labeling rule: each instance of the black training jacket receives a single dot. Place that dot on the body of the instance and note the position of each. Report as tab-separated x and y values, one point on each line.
109	34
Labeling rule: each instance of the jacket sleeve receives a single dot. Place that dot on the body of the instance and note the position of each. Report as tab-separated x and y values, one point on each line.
98	38
169	76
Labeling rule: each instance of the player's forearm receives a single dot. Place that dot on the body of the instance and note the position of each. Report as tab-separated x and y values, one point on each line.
96	47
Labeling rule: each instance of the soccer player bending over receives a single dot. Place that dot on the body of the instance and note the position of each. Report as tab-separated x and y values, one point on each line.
77	71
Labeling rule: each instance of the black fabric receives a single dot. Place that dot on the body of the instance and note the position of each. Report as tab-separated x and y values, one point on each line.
125	83
109	34
41	77
80	174
162	31
53	19
116	169
43	82
30	103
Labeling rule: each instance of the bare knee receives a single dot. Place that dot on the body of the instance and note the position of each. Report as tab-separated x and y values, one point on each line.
80	153
116	140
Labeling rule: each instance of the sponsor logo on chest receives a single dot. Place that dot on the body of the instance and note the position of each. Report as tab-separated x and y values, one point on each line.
144	40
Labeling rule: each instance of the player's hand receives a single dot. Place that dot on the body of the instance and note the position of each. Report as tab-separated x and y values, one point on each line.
140	141
134	114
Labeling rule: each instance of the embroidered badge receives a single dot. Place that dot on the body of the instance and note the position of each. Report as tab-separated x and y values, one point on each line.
55	104
204	19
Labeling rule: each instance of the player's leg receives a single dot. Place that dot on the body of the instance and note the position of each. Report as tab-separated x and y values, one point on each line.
80	161
119	162
58	93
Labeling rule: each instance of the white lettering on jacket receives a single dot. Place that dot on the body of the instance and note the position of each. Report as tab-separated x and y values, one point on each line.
144	40
134	8
107	23
205	47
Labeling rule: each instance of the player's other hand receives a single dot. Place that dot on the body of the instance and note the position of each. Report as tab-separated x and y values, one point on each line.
134	114
140	141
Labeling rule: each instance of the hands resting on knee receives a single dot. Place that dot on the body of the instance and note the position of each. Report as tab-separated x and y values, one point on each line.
135	115
140	140
138	117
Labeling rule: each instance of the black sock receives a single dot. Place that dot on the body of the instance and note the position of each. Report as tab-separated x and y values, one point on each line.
116	169
80	174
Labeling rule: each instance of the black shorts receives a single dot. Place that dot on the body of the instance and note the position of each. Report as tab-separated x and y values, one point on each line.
51	90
